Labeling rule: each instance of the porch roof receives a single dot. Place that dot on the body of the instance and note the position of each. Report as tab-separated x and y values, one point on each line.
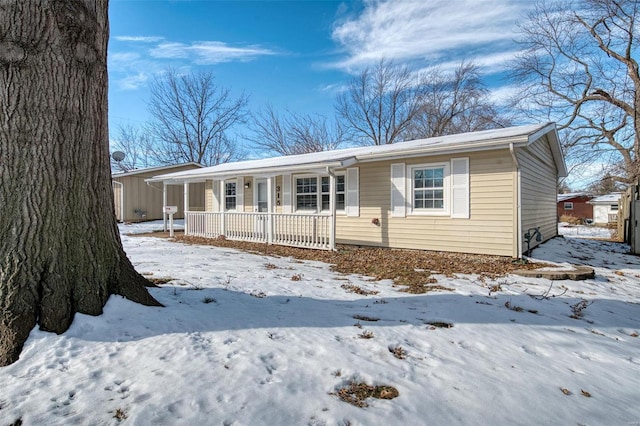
322	161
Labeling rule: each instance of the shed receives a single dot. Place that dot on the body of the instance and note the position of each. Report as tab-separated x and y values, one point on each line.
605	208
136	200
481	192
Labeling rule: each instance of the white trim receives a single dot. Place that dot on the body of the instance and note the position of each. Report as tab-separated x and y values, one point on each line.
352	192
460	176
319	193
446	190
398	190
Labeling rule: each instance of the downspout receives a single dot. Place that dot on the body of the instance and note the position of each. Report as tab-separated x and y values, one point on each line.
121	199
518	201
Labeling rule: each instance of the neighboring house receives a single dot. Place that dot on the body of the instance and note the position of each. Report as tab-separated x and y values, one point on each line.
575	204
475	192
136	200
605	208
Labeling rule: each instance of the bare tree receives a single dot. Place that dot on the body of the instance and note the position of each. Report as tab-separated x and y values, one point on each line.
60	252
191	118
579	67
380	103
294	133
136	145
454	103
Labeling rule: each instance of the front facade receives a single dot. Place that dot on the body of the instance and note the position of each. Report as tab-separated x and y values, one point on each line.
576	205
474	193
136	200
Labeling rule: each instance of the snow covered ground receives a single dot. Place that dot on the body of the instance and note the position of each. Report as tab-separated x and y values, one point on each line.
246	339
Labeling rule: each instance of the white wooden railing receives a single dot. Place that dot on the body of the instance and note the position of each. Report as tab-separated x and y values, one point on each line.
288	229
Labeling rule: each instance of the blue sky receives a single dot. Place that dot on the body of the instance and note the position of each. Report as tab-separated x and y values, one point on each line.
299	54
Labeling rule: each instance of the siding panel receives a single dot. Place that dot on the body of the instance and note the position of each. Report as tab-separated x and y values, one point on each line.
488	230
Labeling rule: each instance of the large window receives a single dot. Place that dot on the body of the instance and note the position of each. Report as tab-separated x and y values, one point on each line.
429	188
311	197
230	196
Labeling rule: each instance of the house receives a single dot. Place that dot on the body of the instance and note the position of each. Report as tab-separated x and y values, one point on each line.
485	192
136	200
575	204
605	208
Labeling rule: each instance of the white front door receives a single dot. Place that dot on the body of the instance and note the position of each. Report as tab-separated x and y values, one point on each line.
261	198
260	205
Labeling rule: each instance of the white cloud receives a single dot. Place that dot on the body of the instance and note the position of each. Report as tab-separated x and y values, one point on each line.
132	82
208	52
139	39
435	31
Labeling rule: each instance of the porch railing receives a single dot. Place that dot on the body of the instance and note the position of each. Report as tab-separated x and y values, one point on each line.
288	229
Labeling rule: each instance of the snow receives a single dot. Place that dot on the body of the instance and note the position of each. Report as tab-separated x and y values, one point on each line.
267	349
583	231
470	141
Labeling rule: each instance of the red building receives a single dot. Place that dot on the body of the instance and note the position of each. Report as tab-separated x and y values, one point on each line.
575	204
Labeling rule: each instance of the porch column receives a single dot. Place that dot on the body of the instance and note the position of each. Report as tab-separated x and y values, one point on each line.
332	208
269	209
186	206
223	206
164	205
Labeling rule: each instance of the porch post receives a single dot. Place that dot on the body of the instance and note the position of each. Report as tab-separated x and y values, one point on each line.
269	209
164	204
223	206
332	208
186	206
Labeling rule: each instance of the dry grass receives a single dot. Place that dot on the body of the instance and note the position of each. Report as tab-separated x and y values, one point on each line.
357	393
571	219
352	288
411	269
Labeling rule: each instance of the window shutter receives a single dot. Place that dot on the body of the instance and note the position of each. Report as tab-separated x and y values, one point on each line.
460	188
216	196
398	186
286	193
240	194
352	195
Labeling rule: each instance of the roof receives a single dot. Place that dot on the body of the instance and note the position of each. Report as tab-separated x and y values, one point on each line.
613	197
319	161
571	195
154	169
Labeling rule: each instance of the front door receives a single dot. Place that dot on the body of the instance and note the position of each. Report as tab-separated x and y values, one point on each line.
261	197
261	205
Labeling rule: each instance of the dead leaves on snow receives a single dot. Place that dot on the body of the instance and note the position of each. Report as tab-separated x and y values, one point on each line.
411	269
357	393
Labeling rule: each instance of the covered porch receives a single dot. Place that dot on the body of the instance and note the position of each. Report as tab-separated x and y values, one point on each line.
289	204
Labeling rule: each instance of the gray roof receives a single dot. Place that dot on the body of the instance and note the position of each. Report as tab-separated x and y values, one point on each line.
319	161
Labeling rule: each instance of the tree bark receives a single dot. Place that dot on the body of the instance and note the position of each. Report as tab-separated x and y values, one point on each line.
60	251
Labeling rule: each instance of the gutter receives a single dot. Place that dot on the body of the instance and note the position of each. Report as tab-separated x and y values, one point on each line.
518	202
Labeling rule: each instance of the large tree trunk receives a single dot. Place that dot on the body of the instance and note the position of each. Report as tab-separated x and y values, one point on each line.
60	252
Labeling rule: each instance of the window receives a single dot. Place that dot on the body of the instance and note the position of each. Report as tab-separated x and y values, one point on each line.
568	205
614	207
230	196
307	193
340	191
312	197
428	187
